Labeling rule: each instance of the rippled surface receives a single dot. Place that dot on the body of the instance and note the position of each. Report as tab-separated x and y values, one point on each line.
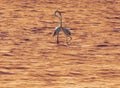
30	57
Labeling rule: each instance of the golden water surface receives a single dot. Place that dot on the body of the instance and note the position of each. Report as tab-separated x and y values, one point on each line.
30	57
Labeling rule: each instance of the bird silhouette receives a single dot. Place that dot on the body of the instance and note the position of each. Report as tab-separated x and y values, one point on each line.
60	28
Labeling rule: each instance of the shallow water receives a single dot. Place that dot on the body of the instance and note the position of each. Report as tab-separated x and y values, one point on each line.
30	57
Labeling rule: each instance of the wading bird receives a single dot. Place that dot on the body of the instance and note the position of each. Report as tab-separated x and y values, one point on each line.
60	28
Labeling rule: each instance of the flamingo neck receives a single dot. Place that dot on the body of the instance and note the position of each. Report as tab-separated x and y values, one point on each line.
60	21
60	17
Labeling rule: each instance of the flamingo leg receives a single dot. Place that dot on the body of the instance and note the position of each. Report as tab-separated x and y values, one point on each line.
70	38
67	41
57	39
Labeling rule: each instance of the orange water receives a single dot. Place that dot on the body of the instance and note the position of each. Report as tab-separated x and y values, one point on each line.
30	57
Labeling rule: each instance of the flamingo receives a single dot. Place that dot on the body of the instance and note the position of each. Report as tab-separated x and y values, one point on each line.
60	28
